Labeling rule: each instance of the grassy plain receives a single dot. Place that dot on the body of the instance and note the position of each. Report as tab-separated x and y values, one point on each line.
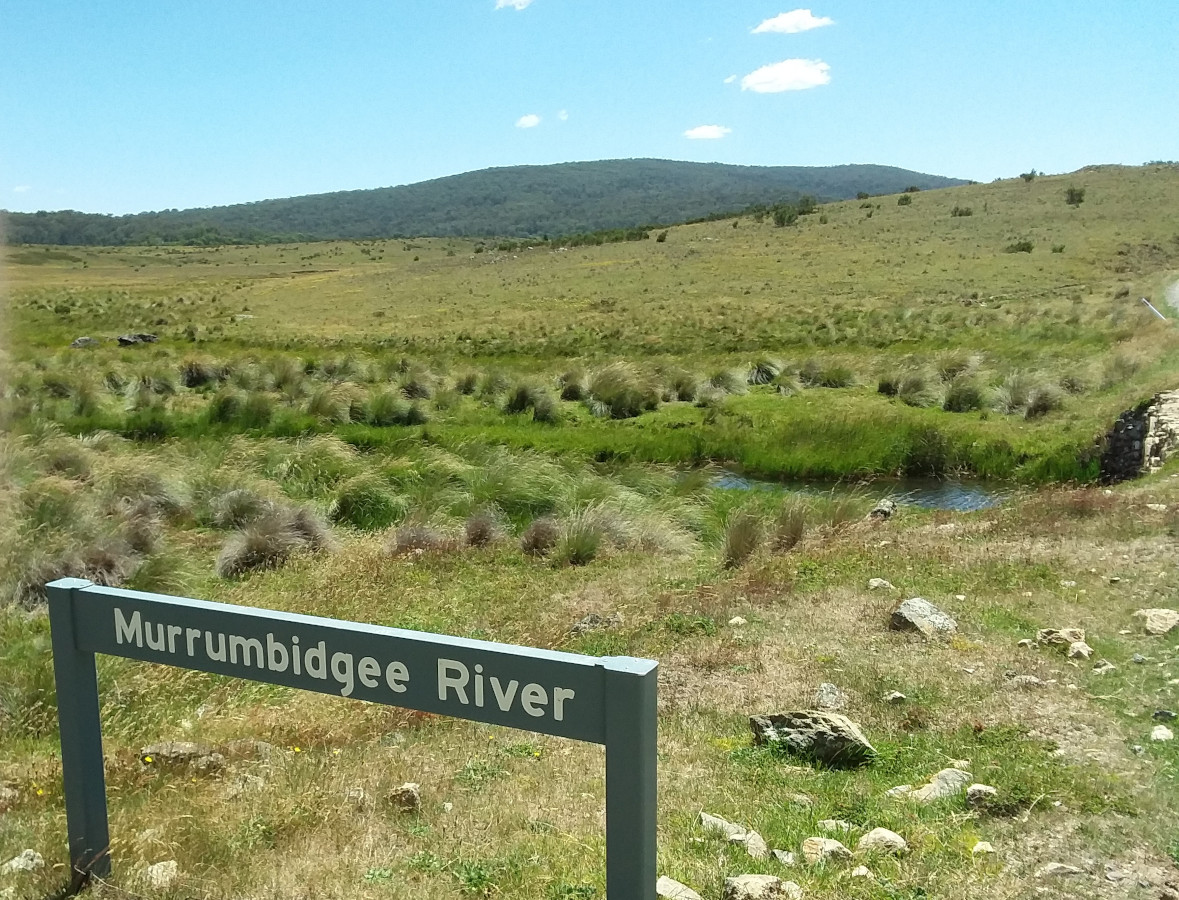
406	398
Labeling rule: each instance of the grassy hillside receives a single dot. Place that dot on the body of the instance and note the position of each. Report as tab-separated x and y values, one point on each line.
440	435
514	201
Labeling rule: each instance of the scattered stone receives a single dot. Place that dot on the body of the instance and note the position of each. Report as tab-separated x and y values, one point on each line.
1114	579
738	621
83	343
162	875
982	848
1062	636
946	783
980	795
959	597
1157	507
830	697
885	509
918	614
1113	873
819	849
195	758
836	825
1103	667
755	845
1079	650
247	748
25	861
1161	733
1025	682
826	737
863	872
595	622
670	889
358	799
1138	659
243	784
785	857
8	798
1137	749
895	697
130	340
760	887
875	584
900	790
1068	584
407	798
1058	870
1158	621
1027	643
1164	715
729	829
800	800
881	840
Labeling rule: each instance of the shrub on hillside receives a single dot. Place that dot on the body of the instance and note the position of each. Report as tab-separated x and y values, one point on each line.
1074	196
961	211
1021	246
1044	398
905	200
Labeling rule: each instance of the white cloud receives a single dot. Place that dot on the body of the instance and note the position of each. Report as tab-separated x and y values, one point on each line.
730	79
707	132
787	75
529	121
514	4
563	115
22	188
792	22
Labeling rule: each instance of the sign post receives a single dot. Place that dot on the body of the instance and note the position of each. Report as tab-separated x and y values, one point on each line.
610	701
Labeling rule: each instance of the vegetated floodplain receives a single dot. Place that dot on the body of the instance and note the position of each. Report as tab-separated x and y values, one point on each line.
523	445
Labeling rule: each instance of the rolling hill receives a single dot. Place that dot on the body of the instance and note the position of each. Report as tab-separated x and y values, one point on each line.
517	201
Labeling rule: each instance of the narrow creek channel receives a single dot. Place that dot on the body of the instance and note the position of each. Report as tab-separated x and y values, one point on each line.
963	495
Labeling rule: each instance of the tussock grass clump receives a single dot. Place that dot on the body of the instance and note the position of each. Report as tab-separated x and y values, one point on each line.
310	466
814	373
580	539
419	386
790	524
238	507
744	534
419	538
366	502
136	481
917	389
466	383
956	364
681	385
889	385
482	528
387	407
963	394
531	397
331	405
268	542
1013	395
52	503
493	384
67	458
142	528
1074	383
1044	398
540	537
764	370
573	384
225	406
728	381
622	392
195	373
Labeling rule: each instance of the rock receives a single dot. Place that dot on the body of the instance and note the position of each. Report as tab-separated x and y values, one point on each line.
885	509
729	829
820	849
826	737
130	340
1058	870
799	800
881	840
195	758
982	848
755	844
760	887
1113	873
1027	643
1060	636
1103	667
1158	621
836	825
1138	659
83	343
162	875
738	621
1157	507
918	614
1026	682
785	857
901	790
1079	650
828	696
863	872
1164	715
980	795
875	584
1068	583
670	889
407	798
946	783
1161	733
248	748
25	861
8	798
595	622
895	697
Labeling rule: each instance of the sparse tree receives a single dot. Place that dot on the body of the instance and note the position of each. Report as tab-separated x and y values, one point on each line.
1074	196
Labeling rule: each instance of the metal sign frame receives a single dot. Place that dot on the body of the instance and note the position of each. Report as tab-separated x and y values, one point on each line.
609	700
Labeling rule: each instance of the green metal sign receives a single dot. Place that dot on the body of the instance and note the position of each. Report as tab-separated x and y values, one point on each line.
610	701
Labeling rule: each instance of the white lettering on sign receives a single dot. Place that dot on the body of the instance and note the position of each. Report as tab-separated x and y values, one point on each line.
454	678
457	682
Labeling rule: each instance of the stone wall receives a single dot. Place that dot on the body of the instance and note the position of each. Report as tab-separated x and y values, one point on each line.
1141	439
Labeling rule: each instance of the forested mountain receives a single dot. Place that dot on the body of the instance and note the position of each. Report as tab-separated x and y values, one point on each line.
517	201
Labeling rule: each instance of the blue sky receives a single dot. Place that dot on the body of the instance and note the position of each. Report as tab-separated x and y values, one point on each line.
122	106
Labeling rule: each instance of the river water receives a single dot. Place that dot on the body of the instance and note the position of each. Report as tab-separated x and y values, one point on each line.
929	493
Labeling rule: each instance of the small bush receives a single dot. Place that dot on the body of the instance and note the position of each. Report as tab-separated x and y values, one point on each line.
661	237
790	524
1058	248
1028	176
904	200
744	533
540	537
1074	196
888	385
366	502
1020	246
961	211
